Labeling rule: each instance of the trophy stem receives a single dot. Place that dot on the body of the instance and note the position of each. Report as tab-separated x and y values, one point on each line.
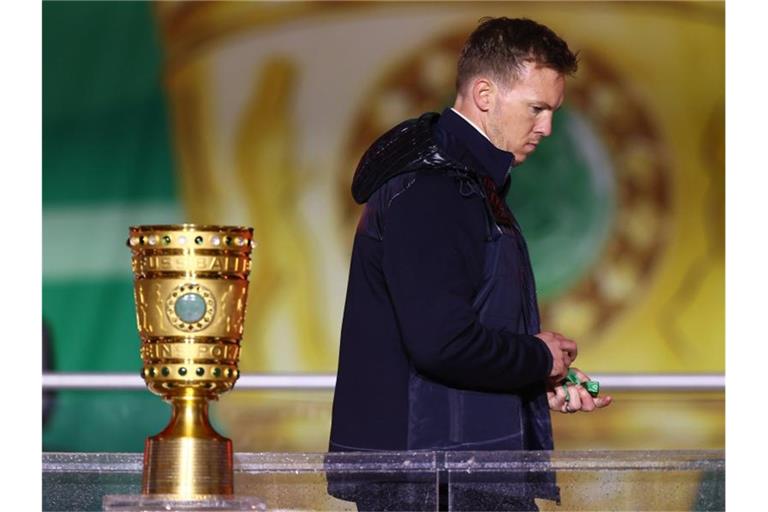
188	458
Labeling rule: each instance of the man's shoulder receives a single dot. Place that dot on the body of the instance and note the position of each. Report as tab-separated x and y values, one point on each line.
409	147
413	198
443	187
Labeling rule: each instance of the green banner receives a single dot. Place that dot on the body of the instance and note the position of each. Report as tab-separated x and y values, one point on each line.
107	164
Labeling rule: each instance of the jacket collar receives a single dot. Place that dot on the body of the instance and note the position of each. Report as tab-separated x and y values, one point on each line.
465	143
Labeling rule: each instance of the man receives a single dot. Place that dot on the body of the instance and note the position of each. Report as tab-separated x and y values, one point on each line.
441	347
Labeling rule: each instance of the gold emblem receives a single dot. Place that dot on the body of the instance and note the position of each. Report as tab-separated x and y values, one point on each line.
190	307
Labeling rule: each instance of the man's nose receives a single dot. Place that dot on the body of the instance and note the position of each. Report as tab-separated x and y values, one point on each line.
544	126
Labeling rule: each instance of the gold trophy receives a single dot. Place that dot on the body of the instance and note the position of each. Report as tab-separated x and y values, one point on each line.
190	287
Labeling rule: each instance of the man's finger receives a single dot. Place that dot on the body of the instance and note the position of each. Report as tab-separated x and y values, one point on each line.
559	368
603	401
557	400
587	402
569	346
574	402
561	395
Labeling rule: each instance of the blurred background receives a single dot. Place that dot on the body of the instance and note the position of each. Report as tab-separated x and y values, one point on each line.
256	113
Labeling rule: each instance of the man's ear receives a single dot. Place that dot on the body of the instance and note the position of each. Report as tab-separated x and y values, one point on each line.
483	93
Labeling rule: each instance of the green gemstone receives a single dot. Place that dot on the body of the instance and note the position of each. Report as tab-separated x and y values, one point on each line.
165	371
166	239
229	372
190	307
199	240
216	372
200	372
152	372
182	371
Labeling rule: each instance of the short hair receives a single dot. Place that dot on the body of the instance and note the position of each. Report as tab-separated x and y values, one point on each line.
500	46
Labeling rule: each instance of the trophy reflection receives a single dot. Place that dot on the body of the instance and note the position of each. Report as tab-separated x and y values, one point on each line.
190	288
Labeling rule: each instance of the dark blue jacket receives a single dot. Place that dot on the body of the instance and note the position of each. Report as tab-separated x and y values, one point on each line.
437	347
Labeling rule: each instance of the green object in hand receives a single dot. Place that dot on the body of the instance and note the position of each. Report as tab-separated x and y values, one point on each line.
592	386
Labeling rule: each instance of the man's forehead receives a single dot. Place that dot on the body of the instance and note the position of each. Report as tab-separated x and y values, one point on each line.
542	84
535	75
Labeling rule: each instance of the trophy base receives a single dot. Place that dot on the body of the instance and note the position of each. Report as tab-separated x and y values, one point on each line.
171	503
188	467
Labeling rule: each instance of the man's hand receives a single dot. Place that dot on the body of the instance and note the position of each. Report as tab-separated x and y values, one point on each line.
563	351
580	399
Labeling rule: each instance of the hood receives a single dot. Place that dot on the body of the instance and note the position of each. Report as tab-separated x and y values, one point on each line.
405	148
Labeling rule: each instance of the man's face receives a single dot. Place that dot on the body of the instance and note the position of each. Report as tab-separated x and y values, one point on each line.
522	114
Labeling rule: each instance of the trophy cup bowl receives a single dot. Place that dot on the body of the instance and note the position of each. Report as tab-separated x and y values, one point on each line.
190	288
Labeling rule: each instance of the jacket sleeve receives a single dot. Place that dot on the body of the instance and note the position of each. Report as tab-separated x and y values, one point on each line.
433	262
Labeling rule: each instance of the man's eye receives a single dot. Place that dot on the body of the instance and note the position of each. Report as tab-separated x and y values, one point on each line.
536	110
